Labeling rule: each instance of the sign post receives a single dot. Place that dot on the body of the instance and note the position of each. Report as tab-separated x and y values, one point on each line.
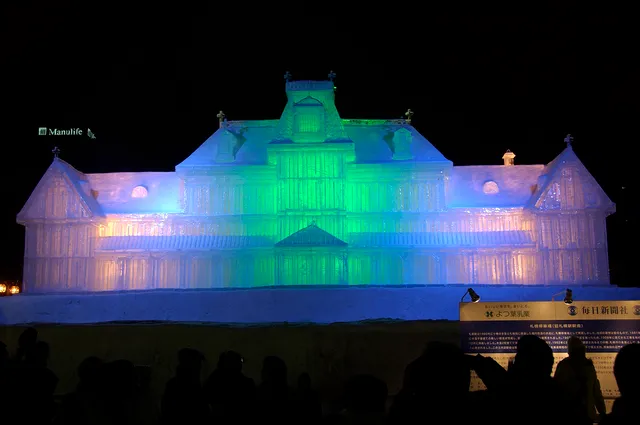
494	328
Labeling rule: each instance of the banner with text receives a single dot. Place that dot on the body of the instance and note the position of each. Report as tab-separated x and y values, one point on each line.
494	328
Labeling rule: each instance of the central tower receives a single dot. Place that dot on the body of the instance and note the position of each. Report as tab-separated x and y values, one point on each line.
310	151
310	115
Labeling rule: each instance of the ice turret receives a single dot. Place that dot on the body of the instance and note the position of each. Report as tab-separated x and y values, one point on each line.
310	115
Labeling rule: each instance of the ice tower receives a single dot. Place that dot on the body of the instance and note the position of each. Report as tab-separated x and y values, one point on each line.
314	199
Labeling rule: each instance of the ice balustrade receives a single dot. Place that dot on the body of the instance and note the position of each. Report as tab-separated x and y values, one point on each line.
252	225
310	268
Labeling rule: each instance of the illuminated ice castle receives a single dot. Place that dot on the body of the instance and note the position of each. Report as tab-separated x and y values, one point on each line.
314	199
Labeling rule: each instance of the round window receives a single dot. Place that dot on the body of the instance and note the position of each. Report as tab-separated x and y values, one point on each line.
139	192
490	187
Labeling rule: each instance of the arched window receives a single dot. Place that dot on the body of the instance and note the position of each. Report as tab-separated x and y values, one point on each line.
309	120
402	144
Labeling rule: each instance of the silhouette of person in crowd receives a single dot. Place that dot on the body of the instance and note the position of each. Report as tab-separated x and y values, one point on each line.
307	401
274	396
4	355
147	407
437	382
32	383
184	400
435	389
527	391
578	379
4	370
365	402
26	342
121	397
83	405
230	393
626	369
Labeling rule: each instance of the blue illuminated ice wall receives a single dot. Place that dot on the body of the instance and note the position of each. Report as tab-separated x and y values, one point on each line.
314	199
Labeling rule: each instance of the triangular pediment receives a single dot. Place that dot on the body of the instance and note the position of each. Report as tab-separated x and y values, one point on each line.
567	185
309	101
61	194
311	236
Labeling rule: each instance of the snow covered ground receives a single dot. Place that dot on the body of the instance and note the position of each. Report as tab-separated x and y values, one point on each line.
320	305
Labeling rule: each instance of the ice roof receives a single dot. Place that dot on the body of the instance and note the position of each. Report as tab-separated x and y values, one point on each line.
180	243
553	171
492	186
442	239
253	138
249	139
367	135
78	183
114	192
371	147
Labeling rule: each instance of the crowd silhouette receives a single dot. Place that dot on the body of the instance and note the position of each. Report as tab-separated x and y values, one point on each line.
435	389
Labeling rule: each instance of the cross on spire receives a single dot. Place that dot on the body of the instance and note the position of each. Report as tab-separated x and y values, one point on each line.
568	140
287	76
332	75
56	152
221	118
409	115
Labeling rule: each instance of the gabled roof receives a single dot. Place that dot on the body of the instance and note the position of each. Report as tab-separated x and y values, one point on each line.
76	182
310	236
589	193
552	169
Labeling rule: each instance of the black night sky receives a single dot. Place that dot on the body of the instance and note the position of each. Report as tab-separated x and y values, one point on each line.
149	84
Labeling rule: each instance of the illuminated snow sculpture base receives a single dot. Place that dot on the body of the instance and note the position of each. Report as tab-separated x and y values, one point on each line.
276	305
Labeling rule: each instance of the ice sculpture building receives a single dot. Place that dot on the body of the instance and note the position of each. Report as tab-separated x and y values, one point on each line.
314	199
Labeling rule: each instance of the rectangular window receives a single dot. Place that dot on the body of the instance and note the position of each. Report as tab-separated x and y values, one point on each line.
307	123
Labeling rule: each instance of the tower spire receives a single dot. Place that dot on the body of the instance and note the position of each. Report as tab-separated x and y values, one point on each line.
222	118
408	116
332	78
568	140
